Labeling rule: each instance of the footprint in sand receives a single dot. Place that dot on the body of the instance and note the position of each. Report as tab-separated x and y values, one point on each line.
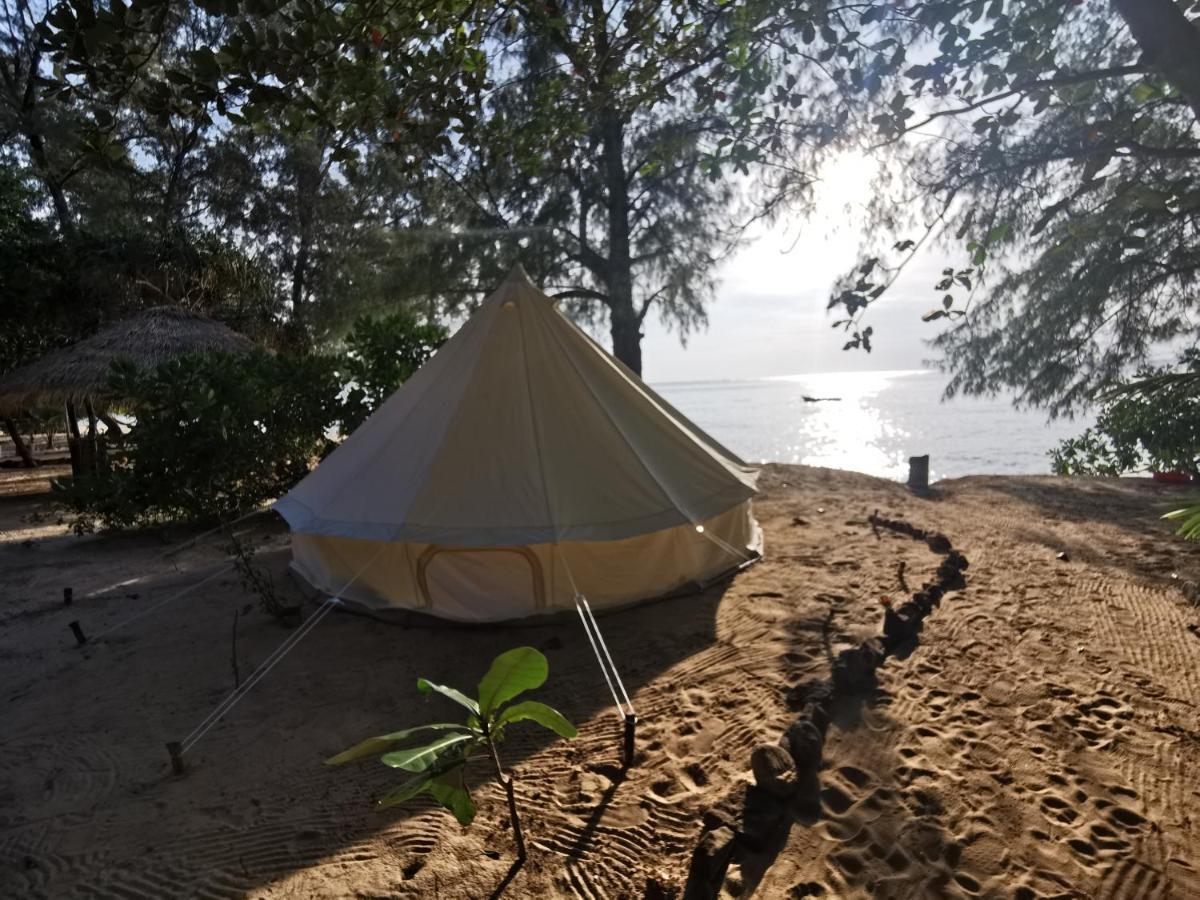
1058	809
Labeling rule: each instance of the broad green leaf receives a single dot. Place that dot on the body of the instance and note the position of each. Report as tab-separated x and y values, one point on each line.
451	791
425	686
534	711
418	759
385	742
512	673
406	791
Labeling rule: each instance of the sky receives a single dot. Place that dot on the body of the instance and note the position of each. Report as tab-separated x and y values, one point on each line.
769	317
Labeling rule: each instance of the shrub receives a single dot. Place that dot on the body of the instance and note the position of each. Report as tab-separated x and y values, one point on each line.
381	354
1139	430
216	435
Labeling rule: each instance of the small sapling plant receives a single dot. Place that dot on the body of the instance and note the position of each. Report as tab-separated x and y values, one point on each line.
439	766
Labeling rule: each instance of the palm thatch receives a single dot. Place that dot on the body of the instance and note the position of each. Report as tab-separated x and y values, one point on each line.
80	371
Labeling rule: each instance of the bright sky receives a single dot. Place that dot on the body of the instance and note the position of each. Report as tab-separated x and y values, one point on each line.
769	317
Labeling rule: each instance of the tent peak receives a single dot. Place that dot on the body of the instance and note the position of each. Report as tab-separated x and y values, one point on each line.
518	275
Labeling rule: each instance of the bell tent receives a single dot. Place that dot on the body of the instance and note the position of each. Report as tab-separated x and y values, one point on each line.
520	466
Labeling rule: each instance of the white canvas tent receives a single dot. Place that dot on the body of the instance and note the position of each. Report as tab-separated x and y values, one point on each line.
520	465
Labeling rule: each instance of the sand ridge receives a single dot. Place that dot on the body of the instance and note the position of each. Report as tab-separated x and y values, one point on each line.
1041	740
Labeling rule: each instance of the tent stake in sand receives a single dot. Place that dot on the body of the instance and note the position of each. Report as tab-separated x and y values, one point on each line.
630	735
80	638
176	750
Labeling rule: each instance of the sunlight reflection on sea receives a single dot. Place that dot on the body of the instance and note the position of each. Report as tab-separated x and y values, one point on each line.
880	419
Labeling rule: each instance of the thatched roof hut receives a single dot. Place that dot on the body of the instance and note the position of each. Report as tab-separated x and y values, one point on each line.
80	371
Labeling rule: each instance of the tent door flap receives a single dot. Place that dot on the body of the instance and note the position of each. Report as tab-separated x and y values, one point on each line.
509	578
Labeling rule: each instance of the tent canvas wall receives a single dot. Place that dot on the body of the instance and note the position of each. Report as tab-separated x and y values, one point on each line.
519	465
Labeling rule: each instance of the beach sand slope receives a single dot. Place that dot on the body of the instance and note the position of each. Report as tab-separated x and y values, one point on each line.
1042	738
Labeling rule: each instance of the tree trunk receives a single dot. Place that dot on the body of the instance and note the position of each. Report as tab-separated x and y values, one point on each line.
309	176
94	444
626	326
23	450
627	337
113	426
58	197
73	436
171	194
299	272
1170	42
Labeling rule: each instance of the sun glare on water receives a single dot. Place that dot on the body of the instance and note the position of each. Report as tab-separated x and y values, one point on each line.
844	426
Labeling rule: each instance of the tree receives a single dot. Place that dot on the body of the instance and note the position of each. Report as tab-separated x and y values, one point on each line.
590	160
293	128
30	268
1054	145
24	114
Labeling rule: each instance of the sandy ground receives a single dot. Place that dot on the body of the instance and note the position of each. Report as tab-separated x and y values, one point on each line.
1042	740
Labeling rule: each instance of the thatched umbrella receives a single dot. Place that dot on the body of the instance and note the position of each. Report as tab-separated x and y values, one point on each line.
79	373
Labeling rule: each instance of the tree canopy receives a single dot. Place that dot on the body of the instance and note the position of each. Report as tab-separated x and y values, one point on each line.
300	165
594	150
1052	147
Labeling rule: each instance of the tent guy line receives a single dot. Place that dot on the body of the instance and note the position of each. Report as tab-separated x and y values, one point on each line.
580	605
622	500
603	668
259	674
167	554
269	663
161	603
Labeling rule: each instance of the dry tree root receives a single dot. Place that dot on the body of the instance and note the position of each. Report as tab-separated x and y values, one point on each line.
751	817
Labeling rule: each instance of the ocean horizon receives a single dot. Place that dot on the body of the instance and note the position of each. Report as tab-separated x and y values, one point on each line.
877	421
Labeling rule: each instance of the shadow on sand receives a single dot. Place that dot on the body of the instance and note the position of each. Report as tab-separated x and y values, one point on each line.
255	804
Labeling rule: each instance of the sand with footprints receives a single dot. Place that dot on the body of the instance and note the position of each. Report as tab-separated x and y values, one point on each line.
1041	740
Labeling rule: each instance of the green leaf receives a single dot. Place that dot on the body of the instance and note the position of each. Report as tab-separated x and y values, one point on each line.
512	673
451	791
1144	91
534	711
425	686
418	759
385	742
1190	527
406	791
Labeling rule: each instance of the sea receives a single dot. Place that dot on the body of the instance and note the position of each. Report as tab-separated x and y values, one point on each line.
877	421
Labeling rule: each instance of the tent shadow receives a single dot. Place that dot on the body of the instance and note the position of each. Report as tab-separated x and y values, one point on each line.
256	804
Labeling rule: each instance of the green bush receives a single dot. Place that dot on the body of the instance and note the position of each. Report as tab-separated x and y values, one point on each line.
1138	430
215	435
381	354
